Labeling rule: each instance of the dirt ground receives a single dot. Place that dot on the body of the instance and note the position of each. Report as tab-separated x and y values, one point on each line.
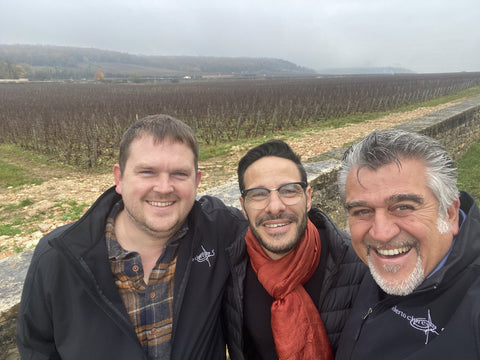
86	187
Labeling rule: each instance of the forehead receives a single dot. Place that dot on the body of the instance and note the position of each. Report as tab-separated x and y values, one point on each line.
147	148
408	177
271	171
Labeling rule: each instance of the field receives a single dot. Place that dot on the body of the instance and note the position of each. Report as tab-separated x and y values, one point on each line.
81	124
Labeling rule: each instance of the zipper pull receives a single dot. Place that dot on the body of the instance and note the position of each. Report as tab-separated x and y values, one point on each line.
359	330
370	310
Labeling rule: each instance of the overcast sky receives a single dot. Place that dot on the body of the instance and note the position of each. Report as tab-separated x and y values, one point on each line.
420	35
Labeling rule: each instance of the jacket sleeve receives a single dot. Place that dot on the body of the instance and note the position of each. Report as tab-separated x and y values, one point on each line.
35	335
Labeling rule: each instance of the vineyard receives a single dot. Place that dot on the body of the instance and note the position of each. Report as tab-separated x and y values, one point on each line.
82	123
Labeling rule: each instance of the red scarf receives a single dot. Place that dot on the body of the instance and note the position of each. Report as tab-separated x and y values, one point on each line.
297	329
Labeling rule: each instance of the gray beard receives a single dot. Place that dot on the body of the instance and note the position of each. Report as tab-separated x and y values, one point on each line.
401	287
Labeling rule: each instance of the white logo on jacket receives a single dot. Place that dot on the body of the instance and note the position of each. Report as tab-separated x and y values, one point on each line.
204	256
423	324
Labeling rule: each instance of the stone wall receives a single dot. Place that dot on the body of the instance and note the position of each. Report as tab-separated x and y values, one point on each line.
457	128
12	274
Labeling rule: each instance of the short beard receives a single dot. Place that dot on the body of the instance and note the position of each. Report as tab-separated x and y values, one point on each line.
401	287
144	227
285	248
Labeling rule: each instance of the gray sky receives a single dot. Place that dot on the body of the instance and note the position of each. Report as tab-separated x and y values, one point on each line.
420	35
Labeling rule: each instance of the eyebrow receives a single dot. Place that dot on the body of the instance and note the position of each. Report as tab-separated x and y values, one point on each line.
407	197
353	204
392	200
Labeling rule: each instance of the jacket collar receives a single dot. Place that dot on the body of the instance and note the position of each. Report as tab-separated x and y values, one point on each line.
465	249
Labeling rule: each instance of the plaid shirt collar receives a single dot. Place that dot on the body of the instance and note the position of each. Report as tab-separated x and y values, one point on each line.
115	250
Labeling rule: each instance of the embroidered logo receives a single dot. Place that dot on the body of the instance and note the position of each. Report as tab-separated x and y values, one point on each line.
422	324
204	256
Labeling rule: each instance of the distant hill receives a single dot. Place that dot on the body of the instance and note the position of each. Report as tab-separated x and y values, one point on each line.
365	71
58	62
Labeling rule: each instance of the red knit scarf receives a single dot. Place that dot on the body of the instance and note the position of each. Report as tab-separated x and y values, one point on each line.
297	329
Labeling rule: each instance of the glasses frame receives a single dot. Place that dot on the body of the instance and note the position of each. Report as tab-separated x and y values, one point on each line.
245	192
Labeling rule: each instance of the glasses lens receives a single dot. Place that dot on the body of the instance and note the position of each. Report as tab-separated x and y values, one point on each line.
290	194
258	198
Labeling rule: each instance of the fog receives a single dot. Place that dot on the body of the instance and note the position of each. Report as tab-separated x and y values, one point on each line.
422	35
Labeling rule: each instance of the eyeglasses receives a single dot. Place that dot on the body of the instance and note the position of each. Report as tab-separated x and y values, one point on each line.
290	194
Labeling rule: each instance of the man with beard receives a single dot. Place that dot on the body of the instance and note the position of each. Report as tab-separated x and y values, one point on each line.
142	274
290	296
420	238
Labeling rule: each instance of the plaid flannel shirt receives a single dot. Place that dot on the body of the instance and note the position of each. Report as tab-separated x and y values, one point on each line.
149	306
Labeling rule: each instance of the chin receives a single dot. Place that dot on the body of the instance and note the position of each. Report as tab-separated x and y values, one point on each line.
402	286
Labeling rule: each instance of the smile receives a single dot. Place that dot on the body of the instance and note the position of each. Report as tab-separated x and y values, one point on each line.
160	203
393	252
272	226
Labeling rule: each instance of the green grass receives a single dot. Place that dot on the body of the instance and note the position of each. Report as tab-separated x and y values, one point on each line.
21	204
15	176
10	229
13	219
12	222
468	167
72	209
19	166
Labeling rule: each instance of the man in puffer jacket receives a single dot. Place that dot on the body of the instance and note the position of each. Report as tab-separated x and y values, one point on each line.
295	276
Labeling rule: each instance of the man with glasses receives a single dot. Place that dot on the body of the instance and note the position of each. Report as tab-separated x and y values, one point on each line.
290	297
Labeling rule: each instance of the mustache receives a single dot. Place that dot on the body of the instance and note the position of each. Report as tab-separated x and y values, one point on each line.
262	219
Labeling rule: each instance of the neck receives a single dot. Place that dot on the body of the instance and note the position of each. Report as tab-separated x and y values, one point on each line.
275	256
131	238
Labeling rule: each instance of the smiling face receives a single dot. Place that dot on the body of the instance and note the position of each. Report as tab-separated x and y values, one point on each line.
395	225
277	227
158	185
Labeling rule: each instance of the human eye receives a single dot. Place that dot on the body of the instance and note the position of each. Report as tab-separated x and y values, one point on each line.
257	194
402	209
290	190
145	172
180	174
360	213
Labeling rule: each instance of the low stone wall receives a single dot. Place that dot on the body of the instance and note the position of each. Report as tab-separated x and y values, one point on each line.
456	127
12	274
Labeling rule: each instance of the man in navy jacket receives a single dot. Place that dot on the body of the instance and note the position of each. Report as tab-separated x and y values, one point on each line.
420	238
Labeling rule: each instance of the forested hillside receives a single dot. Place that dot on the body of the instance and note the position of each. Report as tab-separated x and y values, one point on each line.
38	62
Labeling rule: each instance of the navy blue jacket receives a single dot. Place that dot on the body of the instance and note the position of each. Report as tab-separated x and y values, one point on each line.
438	320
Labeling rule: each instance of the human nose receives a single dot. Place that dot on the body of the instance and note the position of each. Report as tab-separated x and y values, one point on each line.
383	227
275	204
163	184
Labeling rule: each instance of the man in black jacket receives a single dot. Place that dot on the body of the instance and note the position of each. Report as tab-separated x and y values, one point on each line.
290	296
142	274
420	239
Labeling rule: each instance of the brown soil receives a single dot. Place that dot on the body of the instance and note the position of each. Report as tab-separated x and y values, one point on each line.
66	185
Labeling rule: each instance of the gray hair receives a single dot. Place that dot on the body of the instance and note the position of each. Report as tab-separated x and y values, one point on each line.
385	147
